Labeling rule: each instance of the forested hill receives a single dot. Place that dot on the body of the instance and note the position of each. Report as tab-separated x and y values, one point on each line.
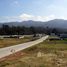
31	27
56	23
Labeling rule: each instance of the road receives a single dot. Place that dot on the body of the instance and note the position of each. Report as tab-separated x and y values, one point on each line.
12	49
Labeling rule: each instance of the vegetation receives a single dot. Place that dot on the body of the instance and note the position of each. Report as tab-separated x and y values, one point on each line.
13	41
20	30
46	54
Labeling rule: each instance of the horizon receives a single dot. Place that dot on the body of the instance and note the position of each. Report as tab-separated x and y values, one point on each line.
36	10
33	20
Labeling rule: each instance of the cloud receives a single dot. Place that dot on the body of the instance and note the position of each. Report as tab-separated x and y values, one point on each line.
62	17
9	18
36	18
25	17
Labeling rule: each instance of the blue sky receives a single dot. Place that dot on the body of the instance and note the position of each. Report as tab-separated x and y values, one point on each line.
38	10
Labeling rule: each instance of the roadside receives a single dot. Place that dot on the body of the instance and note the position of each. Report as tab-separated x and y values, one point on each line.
6	42
13	49
46	54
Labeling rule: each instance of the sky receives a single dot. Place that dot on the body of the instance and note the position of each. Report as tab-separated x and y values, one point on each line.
37	10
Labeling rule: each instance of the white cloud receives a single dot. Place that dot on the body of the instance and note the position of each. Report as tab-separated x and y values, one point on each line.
25	17
8	19
62	17
36	18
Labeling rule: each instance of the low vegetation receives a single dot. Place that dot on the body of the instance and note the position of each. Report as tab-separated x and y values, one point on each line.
5	42
46	54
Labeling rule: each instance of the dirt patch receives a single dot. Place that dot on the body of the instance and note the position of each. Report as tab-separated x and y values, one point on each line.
13	56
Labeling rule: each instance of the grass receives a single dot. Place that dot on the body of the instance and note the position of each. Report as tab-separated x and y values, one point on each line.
52	54
13	41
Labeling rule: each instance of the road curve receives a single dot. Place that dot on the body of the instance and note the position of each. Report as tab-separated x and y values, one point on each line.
12	49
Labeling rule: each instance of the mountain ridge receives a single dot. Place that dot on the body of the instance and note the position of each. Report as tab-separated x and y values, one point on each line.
56	23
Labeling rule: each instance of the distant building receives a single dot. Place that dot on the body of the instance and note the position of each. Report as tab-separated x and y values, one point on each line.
63	36
52	34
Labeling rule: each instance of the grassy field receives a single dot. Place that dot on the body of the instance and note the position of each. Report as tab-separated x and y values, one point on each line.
13	41
45	54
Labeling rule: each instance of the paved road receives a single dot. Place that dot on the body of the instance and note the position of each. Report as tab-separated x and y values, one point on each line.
12	49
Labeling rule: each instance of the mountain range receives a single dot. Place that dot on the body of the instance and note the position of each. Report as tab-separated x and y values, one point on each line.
56	23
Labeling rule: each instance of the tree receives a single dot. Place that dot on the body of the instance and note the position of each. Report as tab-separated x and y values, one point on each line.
54	31
32	29
6	30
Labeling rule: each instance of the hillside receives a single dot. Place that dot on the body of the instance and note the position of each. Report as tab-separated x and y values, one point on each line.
56	23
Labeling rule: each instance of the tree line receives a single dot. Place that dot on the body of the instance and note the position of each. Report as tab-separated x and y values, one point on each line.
22	30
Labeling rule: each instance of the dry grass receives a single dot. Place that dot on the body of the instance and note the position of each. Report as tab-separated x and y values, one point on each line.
13	41
53	54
